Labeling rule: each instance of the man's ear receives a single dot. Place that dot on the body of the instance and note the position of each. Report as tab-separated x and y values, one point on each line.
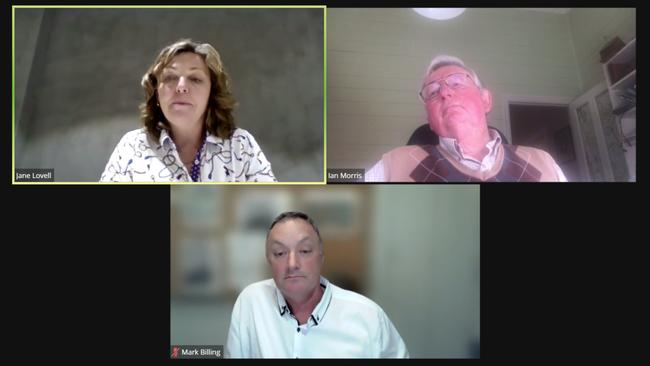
486	97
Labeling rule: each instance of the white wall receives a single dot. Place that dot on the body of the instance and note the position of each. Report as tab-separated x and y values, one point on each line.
425	259
592	29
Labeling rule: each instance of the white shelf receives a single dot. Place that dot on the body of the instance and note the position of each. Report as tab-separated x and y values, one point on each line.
623	61
625	82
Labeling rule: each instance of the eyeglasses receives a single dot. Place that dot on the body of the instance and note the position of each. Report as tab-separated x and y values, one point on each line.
456	81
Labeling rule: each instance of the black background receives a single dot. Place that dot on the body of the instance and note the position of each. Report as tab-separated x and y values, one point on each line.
86	268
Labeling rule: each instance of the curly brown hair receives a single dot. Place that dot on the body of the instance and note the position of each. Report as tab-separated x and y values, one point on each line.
219	120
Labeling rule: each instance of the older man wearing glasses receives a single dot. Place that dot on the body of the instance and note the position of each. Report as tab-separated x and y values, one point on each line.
457	105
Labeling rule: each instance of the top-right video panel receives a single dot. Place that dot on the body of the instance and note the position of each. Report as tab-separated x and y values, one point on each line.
437	95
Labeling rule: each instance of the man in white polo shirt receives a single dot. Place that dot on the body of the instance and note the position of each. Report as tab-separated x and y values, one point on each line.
298	313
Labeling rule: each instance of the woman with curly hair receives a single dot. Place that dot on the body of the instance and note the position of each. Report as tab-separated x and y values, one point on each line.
189	133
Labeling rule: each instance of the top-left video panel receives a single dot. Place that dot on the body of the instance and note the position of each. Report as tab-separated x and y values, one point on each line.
168	95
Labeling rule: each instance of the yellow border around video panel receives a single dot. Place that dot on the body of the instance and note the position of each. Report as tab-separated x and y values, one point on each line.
13	90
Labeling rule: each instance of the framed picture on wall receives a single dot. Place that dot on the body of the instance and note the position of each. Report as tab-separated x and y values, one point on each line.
256	209
337	211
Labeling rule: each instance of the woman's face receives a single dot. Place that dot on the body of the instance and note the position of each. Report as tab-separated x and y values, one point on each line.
184	89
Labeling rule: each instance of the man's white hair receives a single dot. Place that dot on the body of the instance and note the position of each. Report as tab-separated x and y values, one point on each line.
446	60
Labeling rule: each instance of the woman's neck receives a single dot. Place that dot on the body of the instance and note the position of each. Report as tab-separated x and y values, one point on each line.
187	141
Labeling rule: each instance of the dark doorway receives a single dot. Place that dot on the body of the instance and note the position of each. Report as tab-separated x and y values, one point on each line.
546	127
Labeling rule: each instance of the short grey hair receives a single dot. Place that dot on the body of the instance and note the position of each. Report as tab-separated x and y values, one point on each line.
446	60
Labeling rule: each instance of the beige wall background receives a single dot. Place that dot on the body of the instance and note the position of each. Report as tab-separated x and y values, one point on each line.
376	59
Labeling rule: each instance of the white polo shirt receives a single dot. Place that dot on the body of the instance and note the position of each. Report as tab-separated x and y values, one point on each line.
343	324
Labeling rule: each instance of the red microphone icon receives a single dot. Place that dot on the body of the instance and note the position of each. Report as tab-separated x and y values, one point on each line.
175	352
